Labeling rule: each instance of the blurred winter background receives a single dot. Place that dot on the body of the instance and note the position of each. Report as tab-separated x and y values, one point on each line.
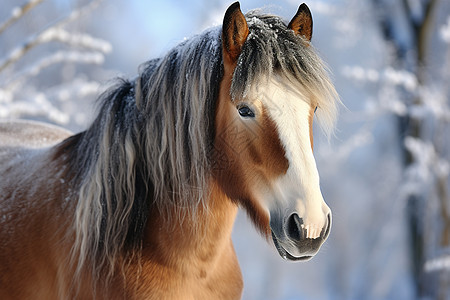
385	175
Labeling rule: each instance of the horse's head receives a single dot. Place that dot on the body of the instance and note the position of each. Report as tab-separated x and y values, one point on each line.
263	141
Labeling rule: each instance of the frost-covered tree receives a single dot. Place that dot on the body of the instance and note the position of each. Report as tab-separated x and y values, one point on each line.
415	88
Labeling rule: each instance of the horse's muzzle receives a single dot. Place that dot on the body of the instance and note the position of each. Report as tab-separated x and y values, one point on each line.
297	242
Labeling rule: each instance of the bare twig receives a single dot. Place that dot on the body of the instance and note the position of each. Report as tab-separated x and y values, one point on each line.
18	12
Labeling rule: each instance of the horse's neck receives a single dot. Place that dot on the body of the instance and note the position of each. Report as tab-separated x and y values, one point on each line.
196	252
207	230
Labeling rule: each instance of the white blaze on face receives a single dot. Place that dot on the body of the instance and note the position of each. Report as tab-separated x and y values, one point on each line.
299	188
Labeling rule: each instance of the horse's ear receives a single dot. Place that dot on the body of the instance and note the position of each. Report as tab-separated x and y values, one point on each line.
302	22
234	32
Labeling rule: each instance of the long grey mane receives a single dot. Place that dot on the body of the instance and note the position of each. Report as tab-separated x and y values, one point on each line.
150	146
147	149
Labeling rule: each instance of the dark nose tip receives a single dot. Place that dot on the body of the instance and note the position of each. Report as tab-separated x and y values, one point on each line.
295	231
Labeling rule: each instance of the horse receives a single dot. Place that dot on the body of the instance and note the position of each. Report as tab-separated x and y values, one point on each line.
141	204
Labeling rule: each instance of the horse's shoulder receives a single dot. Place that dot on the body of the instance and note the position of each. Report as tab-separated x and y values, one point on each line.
30	134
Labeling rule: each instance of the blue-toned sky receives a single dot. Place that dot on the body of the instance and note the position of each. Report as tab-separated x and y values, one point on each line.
153	27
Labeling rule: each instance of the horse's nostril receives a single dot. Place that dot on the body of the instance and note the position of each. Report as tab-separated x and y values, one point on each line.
296	232
294	227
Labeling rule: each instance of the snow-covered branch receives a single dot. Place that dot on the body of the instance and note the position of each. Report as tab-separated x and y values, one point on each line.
76	40
21	97
401	78
55	33
18	12
427	167
47	104
444	31
55	58
38	105
78	13
438	264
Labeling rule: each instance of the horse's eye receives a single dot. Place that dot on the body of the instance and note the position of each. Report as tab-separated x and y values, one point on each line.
246	112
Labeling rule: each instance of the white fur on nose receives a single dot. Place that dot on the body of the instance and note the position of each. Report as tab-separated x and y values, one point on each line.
312	231
300	184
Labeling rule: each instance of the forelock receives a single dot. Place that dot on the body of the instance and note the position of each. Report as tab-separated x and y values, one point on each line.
273	49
